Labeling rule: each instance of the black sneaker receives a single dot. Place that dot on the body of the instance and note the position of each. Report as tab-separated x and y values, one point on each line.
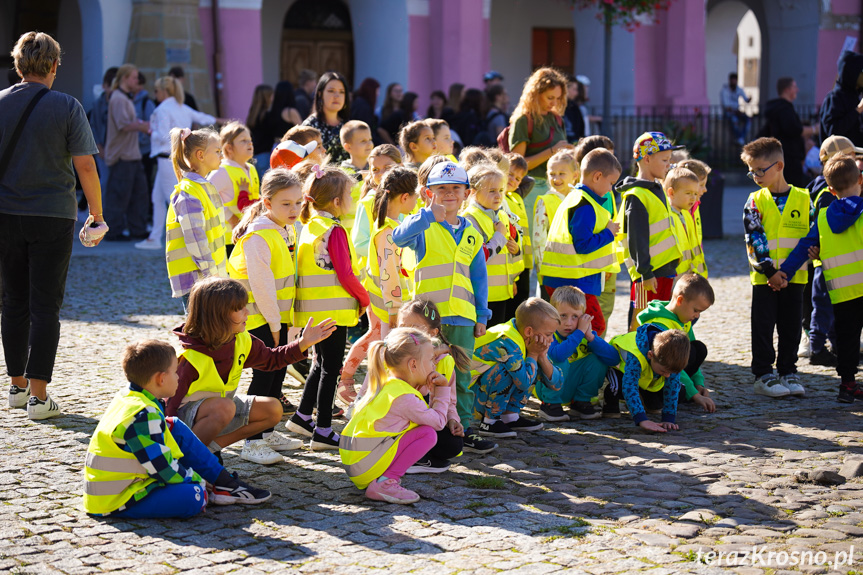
552	412
322	443
824	357
496	429
610	404
338	411
849	391
287	406
525	424
585	410
428	465
230	489
474	443
218	455
300	426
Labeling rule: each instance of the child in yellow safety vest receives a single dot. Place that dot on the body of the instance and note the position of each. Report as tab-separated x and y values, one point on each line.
236	180
562	176
195	225
263	261
702	172
515	202
356	139
393	427
386	279
775	218
141	464
327	288
216	349
681	187
838	232
504	262
442	138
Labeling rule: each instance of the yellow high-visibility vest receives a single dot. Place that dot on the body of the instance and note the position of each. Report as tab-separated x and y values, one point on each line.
783	229
209	382
662	244
501	267
443	274
842	259
282	266
366	452
239	175
372	281
699	261
508	329
684	238
112	476
626	342
178	257
516	205
560	260
319	293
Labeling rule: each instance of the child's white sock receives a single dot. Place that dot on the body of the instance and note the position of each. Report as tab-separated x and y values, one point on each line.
509	417
489	421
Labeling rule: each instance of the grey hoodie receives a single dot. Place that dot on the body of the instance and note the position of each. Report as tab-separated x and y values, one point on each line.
636	226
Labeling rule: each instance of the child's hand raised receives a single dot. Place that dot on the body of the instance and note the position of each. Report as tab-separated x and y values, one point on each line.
436	379
613	226
438	211
584	323
512	247
314	334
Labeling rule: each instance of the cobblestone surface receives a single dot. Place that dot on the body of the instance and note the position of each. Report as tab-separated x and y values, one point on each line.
584	497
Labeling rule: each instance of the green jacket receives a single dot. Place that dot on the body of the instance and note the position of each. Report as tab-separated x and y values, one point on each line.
657	309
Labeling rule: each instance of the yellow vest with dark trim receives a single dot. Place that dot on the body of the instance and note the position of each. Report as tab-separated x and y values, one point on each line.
282	267
238	175
372	280
502	268
209	383
443	274
112	476
508	329
842	259
366	452
178	257
626	342
320	295
662	243
782	229
560	260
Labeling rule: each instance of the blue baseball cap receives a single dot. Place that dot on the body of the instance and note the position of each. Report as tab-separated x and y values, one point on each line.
492	75
447	173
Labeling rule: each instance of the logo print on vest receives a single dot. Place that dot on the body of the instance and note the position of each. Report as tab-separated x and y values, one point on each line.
795	213
242	359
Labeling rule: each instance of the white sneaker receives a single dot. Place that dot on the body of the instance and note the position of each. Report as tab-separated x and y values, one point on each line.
803	350
17	396
38	409
792	383
257	451
149	244
771	386
279	442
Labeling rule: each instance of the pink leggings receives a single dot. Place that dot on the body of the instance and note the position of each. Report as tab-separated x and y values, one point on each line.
377	330
413	446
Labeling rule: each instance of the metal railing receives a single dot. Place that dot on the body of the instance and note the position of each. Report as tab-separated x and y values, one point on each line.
705	130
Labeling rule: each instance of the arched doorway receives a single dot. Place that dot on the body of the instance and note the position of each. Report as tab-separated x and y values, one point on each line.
317	35
733	44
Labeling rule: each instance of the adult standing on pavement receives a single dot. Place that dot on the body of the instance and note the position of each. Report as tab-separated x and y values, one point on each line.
842	109
729	97
126	199
332	110
38	210
784	124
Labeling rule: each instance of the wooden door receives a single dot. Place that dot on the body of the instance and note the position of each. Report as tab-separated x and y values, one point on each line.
318	51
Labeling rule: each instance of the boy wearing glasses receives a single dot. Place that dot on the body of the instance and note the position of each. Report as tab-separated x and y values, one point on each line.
774	219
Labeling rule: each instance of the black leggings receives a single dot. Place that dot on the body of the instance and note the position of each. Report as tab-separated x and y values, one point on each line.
499	312
447	446
268	383
324	376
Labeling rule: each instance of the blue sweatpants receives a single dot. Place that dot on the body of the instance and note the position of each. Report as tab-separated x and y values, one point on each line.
581	381
179	500
821	324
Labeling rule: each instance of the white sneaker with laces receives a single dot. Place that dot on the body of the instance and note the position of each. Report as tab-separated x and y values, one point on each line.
149	244
19	396
803	350
792	382
257	451
38	409
279	442
770	386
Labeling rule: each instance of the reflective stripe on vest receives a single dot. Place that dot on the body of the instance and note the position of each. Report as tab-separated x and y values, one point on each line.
177	255
282	268
372	281
366	452
842	259
209	382
480	366
782	229
662	243
112	476
443	275
500	267
238	176
560	260
626	342
320	295
684	233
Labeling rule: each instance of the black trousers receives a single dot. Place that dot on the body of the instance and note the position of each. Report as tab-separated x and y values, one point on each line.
34	261
499	312
780	310
127	200
848	320
806	319
268	383
324	376
522	290
447	446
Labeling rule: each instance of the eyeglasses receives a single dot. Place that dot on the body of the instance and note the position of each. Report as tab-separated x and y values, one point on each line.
760	173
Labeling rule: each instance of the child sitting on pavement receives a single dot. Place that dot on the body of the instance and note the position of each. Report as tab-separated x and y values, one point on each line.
141	464
582	357
692	295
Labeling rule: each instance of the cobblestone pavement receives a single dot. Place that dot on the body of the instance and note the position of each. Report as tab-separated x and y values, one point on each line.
584	497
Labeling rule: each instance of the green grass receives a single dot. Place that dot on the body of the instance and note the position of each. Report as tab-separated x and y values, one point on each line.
486	482
578	528
475	505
